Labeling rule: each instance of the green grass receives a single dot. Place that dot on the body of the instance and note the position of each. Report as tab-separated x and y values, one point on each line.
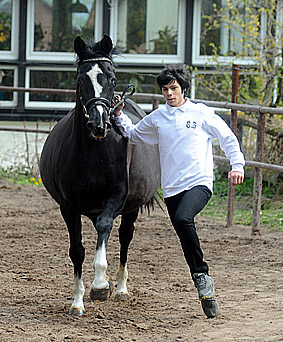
271	212
271	215
21	177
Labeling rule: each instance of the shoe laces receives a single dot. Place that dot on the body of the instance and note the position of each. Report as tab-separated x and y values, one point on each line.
200	280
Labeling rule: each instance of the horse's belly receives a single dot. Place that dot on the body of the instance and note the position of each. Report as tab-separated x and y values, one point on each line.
144	174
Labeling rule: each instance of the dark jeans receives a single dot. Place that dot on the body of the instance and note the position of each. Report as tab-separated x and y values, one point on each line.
182	209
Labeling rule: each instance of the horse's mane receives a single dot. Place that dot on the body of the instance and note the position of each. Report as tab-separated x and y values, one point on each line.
93	49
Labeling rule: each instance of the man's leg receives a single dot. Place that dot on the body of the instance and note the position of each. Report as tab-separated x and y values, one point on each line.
182	209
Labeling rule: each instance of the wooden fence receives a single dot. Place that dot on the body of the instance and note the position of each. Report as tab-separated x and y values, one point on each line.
257	164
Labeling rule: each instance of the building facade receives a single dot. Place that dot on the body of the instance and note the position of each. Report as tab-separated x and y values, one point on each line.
36	45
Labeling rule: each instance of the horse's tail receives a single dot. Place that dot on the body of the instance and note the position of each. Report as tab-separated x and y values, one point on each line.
157	199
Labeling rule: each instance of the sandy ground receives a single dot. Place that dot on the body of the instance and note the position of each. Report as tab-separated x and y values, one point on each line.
37	278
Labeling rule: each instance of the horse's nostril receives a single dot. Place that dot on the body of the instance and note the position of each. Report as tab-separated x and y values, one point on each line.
89	125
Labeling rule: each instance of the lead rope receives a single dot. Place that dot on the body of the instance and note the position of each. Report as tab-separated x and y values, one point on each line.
124	97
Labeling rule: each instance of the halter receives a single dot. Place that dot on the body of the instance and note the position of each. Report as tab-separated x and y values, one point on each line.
103	101
99	101
98	59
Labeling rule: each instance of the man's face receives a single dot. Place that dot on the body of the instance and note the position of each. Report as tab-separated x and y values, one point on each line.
173	94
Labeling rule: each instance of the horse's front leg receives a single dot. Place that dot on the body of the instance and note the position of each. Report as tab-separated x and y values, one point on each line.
126	233
77	255
101	287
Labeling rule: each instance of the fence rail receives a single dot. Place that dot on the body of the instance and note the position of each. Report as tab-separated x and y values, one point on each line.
153	97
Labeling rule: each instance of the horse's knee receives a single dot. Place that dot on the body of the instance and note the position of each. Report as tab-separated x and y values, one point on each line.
77	255
104	224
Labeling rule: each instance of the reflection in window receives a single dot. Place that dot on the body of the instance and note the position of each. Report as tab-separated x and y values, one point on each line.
148	26
6	79
5	25
144	82
54	80
225	26
57	23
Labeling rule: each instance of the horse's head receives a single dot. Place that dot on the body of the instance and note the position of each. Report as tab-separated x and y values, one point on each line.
95	83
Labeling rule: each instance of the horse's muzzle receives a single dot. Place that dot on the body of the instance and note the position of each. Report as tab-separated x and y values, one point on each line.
99	132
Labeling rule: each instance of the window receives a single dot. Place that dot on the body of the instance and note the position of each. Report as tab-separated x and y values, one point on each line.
149	31
48	77
9	14
8	78
53	26
144	81
225	28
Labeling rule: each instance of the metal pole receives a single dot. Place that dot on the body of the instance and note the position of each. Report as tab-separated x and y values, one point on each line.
258	174
233	124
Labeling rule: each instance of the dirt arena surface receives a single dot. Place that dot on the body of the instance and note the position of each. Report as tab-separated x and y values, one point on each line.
37	278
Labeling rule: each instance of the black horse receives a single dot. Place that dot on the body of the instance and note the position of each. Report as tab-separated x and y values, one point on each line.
89	169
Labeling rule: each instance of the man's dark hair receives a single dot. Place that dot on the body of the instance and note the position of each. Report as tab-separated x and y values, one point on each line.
173	72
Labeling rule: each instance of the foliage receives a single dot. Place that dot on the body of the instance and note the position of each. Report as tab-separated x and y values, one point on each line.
251	32
20	176
271	208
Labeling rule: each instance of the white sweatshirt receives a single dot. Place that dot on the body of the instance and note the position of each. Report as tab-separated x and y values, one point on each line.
184	135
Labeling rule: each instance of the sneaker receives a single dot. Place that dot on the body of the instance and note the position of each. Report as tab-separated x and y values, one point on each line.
205	286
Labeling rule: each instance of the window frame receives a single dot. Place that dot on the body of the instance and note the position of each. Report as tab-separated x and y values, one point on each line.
198	59
14	102
49	56
13	54
152	59
44	104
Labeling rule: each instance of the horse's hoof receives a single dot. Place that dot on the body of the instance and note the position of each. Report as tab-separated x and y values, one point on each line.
101	294
76	312
121	297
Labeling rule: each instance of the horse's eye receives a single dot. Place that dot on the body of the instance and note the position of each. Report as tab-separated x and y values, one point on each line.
113	82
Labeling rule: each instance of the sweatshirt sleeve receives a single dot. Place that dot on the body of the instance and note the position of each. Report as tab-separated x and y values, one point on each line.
229	144
144	131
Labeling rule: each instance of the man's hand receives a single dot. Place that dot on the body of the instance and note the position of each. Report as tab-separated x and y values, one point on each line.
116	99
236	177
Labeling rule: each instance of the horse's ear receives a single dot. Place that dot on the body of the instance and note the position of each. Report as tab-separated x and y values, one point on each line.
106	44
79	46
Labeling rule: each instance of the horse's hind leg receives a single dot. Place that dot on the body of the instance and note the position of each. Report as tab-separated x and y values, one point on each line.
126	232
77	255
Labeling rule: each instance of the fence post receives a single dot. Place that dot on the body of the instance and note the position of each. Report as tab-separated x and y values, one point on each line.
258	174
233	125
